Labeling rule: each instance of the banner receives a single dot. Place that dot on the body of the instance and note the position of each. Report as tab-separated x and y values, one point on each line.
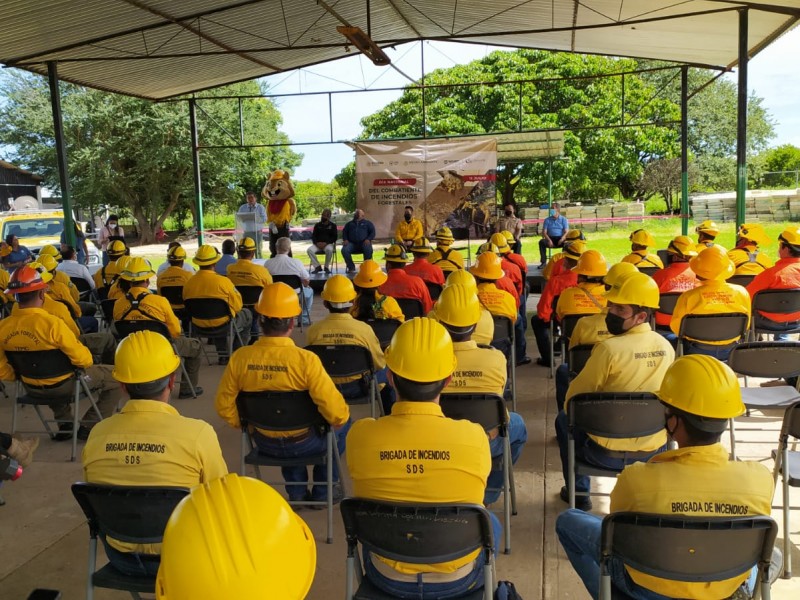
448	182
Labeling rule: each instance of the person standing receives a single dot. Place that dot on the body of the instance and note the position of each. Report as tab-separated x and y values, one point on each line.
510	222
253	216
108	233
357	237
554	232
323	238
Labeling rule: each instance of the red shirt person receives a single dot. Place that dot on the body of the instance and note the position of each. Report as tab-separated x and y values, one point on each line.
401	285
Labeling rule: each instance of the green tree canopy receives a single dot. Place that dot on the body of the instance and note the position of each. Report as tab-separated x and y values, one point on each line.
782	166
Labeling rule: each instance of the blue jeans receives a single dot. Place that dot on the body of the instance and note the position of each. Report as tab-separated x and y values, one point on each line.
355	389
690	347
133	564
587	450
518	435
519	328
314	444
88	324
541	331
418	590
579	534
351	248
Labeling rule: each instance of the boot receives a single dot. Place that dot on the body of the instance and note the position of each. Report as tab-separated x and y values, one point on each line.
22	449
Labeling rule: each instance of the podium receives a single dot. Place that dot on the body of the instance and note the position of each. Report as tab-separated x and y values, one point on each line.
246	226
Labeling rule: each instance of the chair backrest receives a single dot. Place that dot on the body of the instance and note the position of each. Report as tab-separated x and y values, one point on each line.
250	294
127	327
743	280
701	549
207	308
69	308
40	364
616	414
434	289
503	336
136	515
777	301
791	421
649	271
82	285
568	323
107	308
293	281
487	410
766	359
384	330
173	293
411	308
345	360
578	355
714	328
278	410
667	302
417	533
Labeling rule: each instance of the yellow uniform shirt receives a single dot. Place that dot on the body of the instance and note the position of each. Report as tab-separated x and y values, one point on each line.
342	328
4	278
749	261
711	297
696	481
115	292
416	454
57	309
149	444
642	258
385	307
275	363
634	361
498	302
703	245
207	283
408	231
59	291
478	370
484	330
173	276
151	308
447	259
105	276
583	299
246	272
64	279
30	329
590	330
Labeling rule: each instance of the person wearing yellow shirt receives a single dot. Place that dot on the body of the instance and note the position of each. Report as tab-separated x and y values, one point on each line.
641	240
707	232
588	297
713	295
245	273
174	276
484	330
554	266
148	443
746	256
61	292
106	275
487	271
409	229
291	369
114	293
370	304
444	256
633	359
700	394
59	276
451	460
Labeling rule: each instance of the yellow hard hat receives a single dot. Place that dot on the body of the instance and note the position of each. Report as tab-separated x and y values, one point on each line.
137	269
422	246
444	236
488	247
575	234
396	253
247	244
499	240
708	227
712	263
49	249
45	275
122	262
642	237
279	301
635	288
619	271
488	266
704	387
421	350
508	235
206	255
574	249
755	233
458	305
462	277
235	537
369	275
682	245
176	253
47	261
116	249
339	290
144	356
790	236
591	264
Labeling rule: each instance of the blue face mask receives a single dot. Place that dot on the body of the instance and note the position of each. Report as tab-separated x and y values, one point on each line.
552	212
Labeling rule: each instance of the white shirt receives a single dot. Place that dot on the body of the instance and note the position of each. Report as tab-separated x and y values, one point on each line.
283	264
72	268
165	265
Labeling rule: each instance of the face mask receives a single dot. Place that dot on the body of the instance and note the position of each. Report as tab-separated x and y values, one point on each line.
324	219
408	218
615	324
112	225
508	213
552	212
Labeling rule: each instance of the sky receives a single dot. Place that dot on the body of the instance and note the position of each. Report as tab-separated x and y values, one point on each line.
773	75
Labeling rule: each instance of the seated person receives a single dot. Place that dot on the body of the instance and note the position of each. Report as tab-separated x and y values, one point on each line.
554	265
106	275
641	240
487	272
170	252
409	229
421	266
228	257
370	304
357	237
174	275
399	284
244	272
677	276
323	238
484	330
284	264
746	256
444	256
707	232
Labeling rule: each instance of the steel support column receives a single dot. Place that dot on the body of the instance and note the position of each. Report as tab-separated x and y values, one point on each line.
550	183
741	120
61	152
685	149
198	192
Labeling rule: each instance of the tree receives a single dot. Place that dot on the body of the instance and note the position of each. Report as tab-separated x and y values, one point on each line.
782	166
136	154
312	197
664	177
345	194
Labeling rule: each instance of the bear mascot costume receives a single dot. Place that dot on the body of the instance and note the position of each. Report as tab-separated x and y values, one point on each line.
279	193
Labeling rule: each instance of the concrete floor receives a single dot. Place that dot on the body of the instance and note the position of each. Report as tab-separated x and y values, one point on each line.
45	539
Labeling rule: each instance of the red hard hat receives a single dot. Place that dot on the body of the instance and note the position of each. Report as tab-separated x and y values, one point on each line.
25	279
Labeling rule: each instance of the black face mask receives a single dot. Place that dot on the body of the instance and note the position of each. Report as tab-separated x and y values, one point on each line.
408	218
324	219
615	324
509	213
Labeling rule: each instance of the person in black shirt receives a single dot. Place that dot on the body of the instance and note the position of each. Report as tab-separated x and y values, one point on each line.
323	238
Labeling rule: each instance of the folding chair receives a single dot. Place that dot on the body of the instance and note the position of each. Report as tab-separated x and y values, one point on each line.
107	310
488	411
415	533
505	340
384	330
212	308
127	327
787	465
250	295
411	308
48	364
434	289
774	301
742	280
666	306
578	355
616	415
350	360
649	271
294	282
335	257
704	329
136	515
568	323
174	294
700	549
553	325
84	289
287	411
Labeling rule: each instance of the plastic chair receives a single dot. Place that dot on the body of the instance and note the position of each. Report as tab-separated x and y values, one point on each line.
774	301
504	339
415	533
700	549
294	282
107	310
250	295
411	308
704	329
174	294
742	280
350	360
287	411
578	355
649	271
384	330
568	323
488	411
84	289
48	364
434	289
666	306
617	415
787	465
211	308
130	514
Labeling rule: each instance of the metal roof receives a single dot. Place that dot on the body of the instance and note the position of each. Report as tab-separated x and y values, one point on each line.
162	48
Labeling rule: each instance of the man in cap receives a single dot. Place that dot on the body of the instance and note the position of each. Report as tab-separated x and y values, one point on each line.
554	232
746	256
399	284
148	443
283	264
444	256
700	394
323	238
290	369
511	223
451	459
409	229
707	232
633	359
421	266
641	240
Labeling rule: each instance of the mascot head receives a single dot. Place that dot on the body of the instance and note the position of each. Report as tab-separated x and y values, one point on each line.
278	186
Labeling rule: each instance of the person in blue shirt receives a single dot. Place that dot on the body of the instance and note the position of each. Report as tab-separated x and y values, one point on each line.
554	232
17	256
357	237
228	257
